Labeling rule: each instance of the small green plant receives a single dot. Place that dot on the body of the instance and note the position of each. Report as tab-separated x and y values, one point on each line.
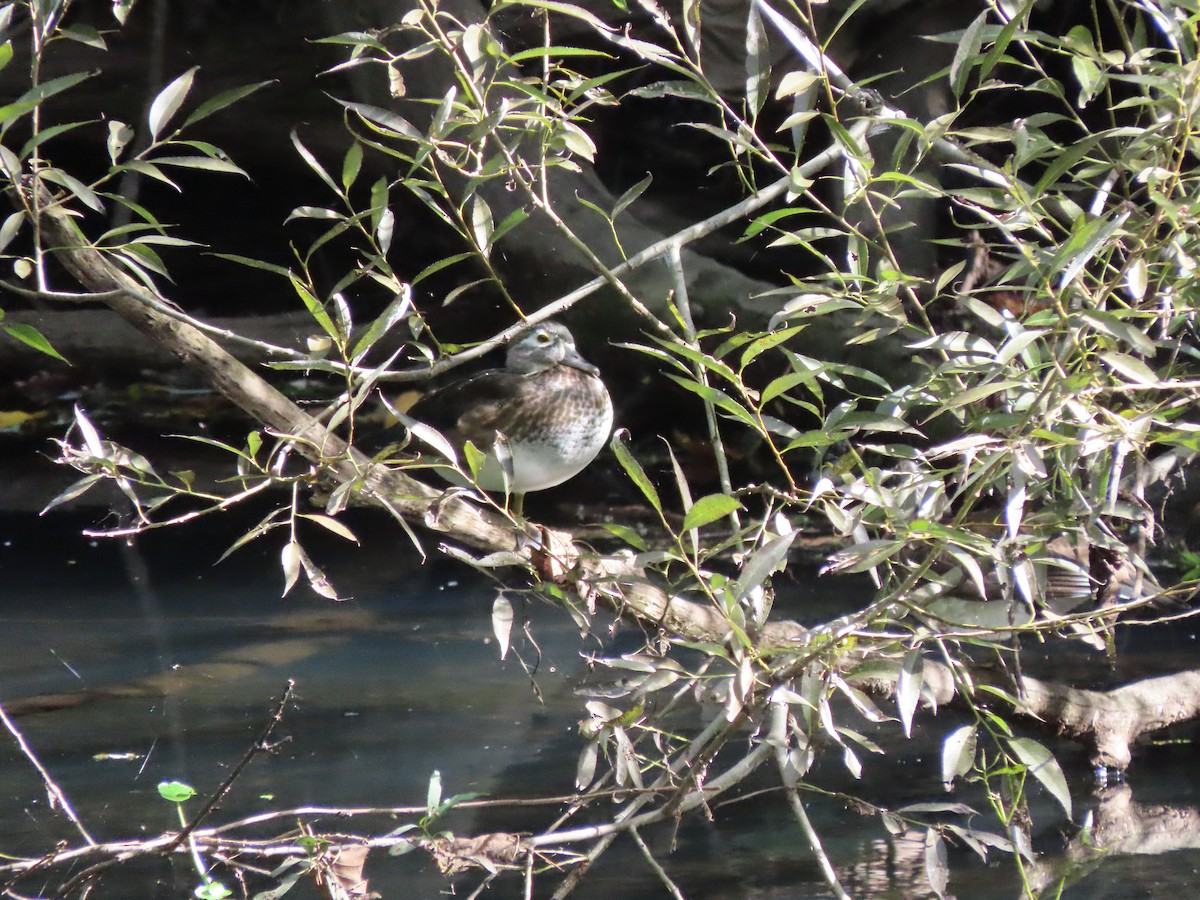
179	793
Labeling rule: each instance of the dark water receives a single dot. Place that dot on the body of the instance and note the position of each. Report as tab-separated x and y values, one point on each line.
150	650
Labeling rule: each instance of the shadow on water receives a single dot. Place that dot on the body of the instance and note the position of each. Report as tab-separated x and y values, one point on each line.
127	665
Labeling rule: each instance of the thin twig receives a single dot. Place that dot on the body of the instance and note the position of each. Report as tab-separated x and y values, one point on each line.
670	885
56	793
686	235
259	746
778	732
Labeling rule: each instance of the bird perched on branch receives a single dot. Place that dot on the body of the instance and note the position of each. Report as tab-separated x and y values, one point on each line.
537	422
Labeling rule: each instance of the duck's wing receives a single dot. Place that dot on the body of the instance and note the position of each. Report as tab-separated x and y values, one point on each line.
474	408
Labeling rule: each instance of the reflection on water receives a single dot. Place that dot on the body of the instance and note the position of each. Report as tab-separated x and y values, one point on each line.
127	666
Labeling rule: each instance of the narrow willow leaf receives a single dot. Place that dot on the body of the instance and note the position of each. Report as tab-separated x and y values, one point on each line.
32	98
313	162
626	534
630	195
207	163
351	164
317	579
967	53
395	312
31	337
908	687
634	469
758	61
385	230
1130	367
762	562
386	119
254	263
511	221
222	100
81	191
434	268
91	437
332	525
168	101
315	308
79	487
708	509
1083	246
1044	767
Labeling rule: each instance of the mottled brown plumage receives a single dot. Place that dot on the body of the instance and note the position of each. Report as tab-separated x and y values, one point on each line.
548	402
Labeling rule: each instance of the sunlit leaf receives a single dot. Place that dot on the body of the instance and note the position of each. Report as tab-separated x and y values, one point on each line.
176	791
290	559
908	687
502	622
1044	767
958	754
168	101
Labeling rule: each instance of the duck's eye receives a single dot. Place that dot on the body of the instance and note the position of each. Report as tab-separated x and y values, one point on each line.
543	337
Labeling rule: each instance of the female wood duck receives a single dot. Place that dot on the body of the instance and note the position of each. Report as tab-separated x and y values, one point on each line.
547	405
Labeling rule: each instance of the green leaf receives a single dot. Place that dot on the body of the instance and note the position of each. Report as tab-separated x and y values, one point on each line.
351	165
385	119
222	100
31	337
966	55
436	267
1130	367
254	263
331	524
212	890
207	163
313	162
762	562
168	101
634	470
511	221
28	101
11	228
433	795
176	791
77	187
709	509
1044	767
626	534
630	195
316	309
